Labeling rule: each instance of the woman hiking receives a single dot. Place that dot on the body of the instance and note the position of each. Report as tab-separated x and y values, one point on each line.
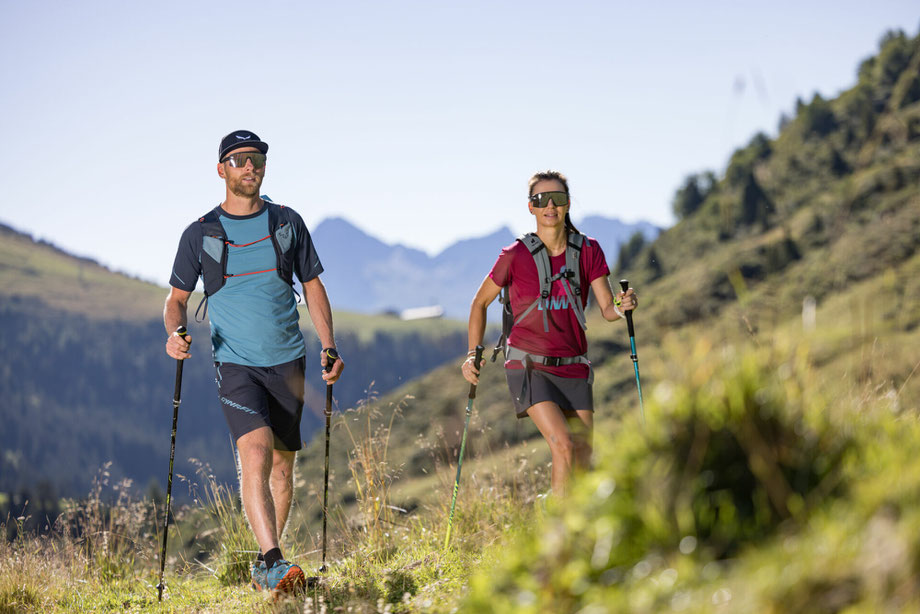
547	371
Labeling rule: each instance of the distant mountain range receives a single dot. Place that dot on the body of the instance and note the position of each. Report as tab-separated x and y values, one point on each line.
372	276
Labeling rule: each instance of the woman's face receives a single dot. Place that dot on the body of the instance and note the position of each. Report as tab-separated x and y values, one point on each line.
551	215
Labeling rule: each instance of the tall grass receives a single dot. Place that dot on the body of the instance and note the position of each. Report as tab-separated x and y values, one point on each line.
372	475
91	542
389	556
224	529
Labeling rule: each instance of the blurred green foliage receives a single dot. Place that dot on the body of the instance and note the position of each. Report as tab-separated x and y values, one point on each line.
692	194
745	469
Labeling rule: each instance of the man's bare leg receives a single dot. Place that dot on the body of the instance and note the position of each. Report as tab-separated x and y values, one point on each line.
282	487
256	455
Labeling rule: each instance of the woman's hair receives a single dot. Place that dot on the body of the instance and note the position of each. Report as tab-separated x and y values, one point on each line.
552	176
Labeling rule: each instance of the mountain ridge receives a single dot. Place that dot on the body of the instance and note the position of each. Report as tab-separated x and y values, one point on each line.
383	277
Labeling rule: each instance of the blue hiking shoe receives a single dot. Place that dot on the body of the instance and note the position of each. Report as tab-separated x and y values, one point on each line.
284	577
259	576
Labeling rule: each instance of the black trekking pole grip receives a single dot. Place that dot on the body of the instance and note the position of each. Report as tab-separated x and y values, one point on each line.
478	364
331	357
182	332
629	323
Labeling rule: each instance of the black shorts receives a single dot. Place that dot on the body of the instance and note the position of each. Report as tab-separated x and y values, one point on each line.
569	393
253	397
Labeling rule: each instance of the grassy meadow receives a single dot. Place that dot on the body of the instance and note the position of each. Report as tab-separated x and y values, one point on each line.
773	473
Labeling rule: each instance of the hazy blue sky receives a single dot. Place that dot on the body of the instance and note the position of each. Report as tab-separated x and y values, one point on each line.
418	121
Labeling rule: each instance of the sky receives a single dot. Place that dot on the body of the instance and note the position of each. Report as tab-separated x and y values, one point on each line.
419	122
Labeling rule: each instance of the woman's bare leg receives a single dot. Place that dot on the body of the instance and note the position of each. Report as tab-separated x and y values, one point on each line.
551	422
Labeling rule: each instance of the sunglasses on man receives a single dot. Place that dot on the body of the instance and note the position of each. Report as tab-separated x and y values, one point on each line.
238	160
560	199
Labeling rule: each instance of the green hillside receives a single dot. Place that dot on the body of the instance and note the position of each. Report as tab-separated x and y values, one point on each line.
85	380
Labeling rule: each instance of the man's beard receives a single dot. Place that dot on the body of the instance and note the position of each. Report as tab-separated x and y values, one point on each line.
245	190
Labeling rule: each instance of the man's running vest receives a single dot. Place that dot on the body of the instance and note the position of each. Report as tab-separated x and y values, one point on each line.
214	249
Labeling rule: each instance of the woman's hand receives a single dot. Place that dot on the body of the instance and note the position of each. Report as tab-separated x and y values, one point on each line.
613	307
469	370
626	301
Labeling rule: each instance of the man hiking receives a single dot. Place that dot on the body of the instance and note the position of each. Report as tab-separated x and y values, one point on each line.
247	250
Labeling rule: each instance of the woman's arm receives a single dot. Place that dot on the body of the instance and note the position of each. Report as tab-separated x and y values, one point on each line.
477	326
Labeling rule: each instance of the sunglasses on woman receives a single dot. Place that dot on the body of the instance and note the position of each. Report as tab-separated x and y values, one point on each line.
238	160
560	199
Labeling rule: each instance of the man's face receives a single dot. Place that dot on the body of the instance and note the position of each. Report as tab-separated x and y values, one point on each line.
245	180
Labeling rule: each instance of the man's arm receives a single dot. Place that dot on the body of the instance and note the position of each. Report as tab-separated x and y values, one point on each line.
314	293
175	314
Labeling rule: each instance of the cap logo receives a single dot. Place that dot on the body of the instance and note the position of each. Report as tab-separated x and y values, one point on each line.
243	138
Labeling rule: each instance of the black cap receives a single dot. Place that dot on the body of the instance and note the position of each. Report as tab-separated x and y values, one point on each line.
240	138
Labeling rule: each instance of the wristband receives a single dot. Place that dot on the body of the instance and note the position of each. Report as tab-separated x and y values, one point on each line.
616	308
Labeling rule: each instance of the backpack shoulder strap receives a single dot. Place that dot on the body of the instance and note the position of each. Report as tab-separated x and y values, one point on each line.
278	215
541	258
213	244
281	230
575	242
573	247
213	257
504	297
531	241
544	273
209	219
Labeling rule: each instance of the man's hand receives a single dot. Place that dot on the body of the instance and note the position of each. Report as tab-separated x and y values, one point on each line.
177	346
337	367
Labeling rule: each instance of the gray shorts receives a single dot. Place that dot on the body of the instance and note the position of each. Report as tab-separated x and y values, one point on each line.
569	393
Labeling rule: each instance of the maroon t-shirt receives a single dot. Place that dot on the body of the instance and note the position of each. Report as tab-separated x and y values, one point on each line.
516	266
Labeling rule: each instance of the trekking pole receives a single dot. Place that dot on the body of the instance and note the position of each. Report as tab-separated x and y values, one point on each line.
182	332
632	346
331	356
469	409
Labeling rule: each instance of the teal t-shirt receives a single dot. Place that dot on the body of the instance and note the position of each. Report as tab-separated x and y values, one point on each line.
254	319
